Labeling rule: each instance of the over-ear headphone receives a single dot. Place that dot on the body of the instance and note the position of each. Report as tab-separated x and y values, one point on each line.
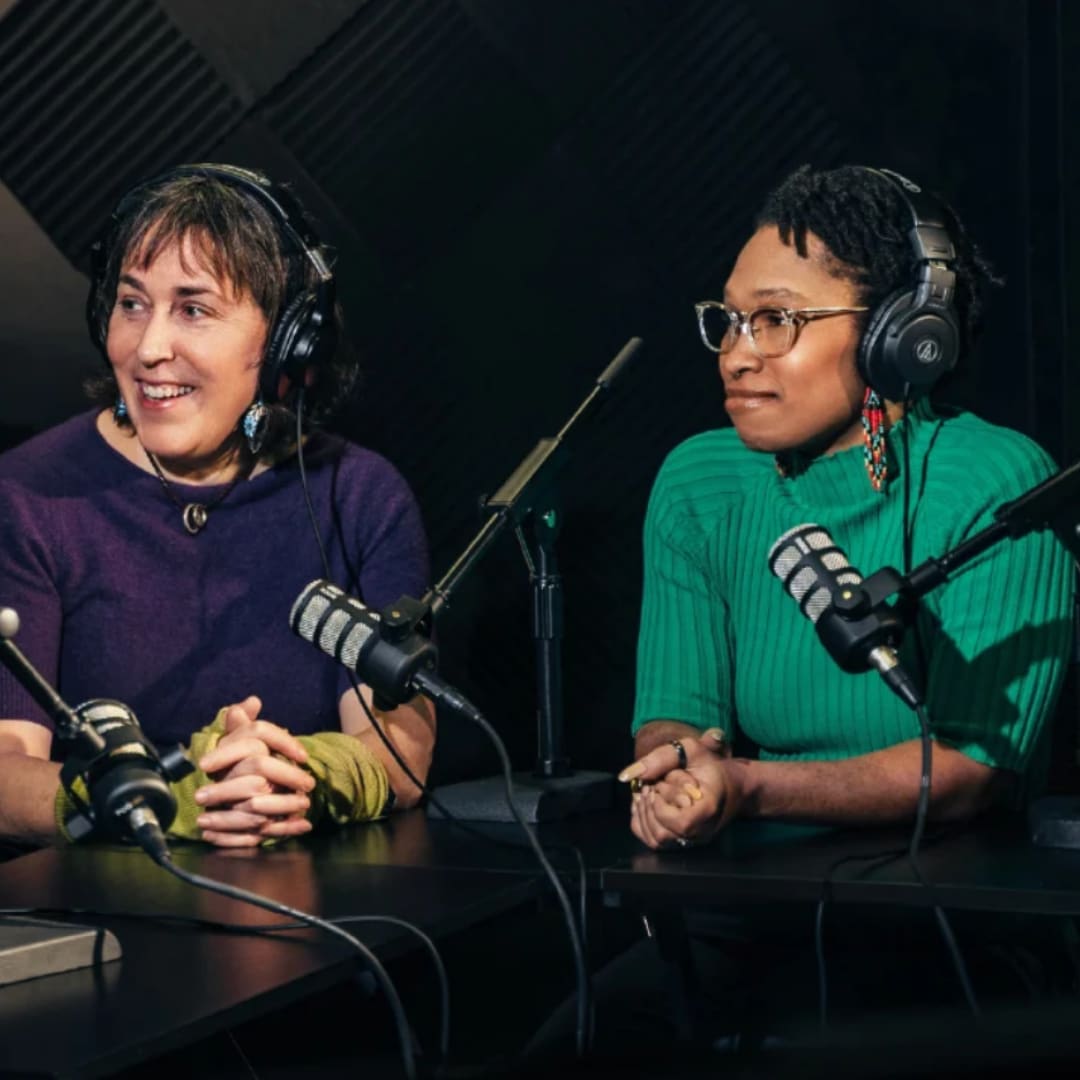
912	337
304	334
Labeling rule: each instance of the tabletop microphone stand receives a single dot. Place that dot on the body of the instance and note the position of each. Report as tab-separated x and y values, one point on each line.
553	790
30	948
1054	504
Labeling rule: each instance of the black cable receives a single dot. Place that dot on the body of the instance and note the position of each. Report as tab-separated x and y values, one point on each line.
575	933
263	929
405	1036
922	805
304	482
913	858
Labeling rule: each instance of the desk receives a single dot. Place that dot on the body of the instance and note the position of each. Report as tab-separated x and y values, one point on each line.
176	985
987	869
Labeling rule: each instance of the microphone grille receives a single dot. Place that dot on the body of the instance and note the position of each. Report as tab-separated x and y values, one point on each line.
310	607
333	621
810	565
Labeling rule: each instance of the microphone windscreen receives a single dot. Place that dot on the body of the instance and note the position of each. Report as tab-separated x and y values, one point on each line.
334	622
811	566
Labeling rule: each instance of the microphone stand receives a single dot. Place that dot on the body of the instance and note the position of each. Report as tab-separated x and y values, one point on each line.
553	790
1054	504
30	948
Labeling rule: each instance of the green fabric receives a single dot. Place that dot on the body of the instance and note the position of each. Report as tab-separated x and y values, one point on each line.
351	782
722	643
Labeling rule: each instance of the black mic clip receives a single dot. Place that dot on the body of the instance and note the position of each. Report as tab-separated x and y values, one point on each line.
865	620
121	771
404	624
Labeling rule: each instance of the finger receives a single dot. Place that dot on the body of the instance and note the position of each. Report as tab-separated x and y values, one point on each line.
659	835
276	805
656	764
673	795
232	840
292	827
281	774
230	821
279	740
637	825
693	821
242	713
236	790
716	740
231	750
255	755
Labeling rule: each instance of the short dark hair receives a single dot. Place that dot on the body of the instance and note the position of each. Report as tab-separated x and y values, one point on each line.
242	243
864	223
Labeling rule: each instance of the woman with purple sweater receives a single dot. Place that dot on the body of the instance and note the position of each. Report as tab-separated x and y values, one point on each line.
154	546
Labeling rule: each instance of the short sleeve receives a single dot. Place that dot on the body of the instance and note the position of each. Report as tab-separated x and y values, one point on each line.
28	585
684	656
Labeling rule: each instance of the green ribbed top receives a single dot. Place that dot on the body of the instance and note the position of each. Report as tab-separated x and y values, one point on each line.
721	641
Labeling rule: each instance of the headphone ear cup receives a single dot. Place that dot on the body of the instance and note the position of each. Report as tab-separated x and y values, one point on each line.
908	346
281	352
872	362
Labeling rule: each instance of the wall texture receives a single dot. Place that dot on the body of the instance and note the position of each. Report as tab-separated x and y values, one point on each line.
516	188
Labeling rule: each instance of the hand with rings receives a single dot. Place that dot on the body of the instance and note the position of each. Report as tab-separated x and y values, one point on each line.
684	791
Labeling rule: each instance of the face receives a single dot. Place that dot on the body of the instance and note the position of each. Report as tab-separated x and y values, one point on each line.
811	398
185	349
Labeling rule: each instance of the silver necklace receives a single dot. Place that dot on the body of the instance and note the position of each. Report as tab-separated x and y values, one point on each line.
195	515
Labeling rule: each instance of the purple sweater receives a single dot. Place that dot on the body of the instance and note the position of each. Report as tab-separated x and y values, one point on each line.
117	600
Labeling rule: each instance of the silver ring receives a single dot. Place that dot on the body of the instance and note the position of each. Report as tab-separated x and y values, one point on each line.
682	841
681	751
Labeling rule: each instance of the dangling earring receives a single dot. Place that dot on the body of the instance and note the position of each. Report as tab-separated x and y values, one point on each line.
254	424
874	448
119	410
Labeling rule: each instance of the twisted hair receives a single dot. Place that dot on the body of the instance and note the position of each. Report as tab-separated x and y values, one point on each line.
242	243
864	223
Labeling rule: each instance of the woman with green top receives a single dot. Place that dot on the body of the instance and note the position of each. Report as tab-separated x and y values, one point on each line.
854	296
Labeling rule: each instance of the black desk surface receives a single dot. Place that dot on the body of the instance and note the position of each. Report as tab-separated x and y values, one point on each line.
177	983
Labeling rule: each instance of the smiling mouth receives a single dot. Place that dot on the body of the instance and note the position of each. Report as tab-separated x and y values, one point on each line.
164	393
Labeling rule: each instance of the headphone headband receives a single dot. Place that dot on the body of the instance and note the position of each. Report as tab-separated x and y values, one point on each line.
912	338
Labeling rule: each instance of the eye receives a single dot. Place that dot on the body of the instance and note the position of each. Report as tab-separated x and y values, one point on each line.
767	318
128	304
194	311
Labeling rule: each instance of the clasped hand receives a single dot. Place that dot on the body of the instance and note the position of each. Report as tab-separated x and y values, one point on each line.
258	789
675	806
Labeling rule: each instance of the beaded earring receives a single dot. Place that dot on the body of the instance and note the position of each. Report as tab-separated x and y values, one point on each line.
119	410
874	448
254	424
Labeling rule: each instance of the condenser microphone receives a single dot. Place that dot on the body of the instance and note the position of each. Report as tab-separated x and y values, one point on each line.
396	663
829	591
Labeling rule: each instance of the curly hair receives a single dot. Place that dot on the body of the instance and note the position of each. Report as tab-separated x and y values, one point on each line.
242	243
864	223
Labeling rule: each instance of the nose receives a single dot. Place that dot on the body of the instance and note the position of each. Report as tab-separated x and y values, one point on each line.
738	359
155	343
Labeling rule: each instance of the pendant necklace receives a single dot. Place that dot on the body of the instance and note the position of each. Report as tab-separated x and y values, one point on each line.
195	515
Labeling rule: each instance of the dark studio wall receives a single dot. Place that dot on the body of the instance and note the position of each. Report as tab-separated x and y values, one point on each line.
515	187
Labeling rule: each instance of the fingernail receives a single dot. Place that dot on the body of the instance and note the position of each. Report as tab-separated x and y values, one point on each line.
631	772
200	796
202	821
693	791
717	734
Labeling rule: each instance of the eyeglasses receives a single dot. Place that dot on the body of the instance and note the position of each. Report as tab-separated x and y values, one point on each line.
771	331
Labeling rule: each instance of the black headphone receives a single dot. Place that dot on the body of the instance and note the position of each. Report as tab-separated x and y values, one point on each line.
912	337
304	334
